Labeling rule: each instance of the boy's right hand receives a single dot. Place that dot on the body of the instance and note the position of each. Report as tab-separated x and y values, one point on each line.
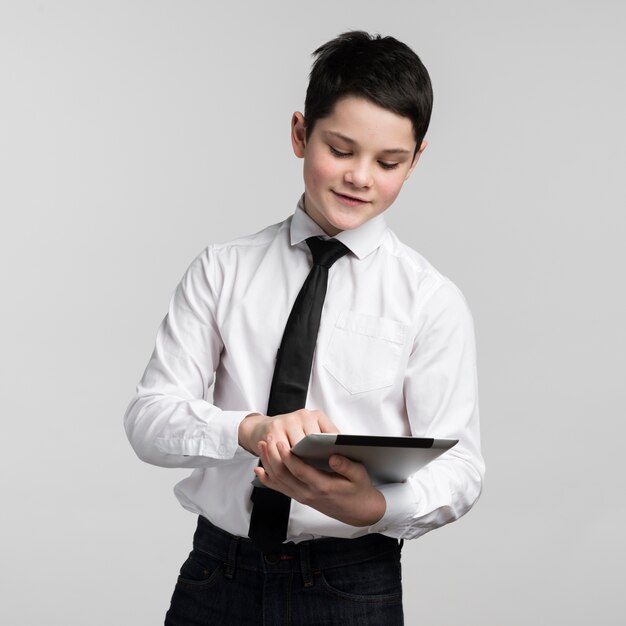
288	428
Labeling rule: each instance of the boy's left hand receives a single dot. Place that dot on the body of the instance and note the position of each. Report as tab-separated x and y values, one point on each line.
347	495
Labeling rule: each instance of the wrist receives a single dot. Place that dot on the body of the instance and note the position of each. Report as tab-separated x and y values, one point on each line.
372	510
379	507
245	432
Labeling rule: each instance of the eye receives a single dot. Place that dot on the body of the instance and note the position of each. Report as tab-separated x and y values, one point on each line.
388	166
338	153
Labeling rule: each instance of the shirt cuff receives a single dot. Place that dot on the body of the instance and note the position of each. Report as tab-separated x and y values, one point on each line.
220	442
401	506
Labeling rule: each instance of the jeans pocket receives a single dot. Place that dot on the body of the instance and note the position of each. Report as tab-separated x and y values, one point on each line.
200	570
378	580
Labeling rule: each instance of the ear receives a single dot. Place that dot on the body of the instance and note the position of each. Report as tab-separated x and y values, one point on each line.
416	158
298	134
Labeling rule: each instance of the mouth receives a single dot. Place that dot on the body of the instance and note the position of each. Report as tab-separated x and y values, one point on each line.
349	200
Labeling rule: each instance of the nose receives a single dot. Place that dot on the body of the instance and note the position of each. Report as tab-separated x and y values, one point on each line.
358	175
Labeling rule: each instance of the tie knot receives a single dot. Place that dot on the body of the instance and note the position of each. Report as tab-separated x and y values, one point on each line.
326	251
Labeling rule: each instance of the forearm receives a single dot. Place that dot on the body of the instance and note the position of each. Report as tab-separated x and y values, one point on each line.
441	396
169	421
168	431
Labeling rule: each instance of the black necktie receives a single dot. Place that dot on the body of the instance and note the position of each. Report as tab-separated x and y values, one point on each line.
270	510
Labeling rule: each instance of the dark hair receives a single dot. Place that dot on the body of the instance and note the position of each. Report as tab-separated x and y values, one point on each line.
380	69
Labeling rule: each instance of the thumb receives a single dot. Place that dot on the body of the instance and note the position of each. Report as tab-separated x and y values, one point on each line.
351	470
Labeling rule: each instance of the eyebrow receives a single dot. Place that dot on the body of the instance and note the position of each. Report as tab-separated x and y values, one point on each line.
352	142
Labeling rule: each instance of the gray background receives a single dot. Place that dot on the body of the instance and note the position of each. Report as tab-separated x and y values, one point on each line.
132	134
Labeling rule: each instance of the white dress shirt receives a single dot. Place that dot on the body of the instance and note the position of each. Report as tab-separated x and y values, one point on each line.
395	355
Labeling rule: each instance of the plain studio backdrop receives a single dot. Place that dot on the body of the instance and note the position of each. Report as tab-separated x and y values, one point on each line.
133	134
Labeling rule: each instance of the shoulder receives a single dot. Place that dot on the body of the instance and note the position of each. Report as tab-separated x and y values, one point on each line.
261	238
420	276
215	258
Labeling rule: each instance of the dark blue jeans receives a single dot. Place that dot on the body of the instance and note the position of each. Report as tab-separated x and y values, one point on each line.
226	581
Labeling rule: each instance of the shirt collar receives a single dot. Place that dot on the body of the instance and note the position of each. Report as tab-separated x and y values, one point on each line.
361	241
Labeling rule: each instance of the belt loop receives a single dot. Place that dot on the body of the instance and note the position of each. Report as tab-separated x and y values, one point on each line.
305	564
401	544
230	565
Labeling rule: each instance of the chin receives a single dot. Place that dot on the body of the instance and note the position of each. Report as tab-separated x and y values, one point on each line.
348	222
340	218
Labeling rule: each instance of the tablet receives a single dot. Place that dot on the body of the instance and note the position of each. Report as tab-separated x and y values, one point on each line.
387	459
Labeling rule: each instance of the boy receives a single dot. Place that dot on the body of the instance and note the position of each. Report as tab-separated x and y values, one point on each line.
393	355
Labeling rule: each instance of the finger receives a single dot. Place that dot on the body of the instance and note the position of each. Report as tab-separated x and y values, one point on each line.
269	474
311	427
326	424
262	475
353	471
295	432
266	458
304	475
301	423
266	461
272	461
310	423
283	428
277	433
295	466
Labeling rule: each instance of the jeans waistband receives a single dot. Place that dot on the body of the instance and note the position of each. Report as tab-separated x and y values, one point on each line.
305	557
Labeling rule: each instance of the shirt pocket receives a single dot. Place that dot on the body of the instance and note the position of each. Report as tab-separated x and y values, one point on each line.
364	351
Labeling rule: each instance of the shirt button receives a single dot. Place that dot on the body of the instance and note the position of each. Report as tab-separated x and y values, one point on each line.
221	450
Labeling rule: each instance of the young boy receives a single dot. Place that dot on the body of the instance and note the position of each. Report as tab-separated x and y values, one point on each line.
393	355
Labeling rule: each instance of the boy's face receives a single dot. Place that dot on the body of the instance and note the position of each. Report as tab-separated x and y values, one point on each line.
355	162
